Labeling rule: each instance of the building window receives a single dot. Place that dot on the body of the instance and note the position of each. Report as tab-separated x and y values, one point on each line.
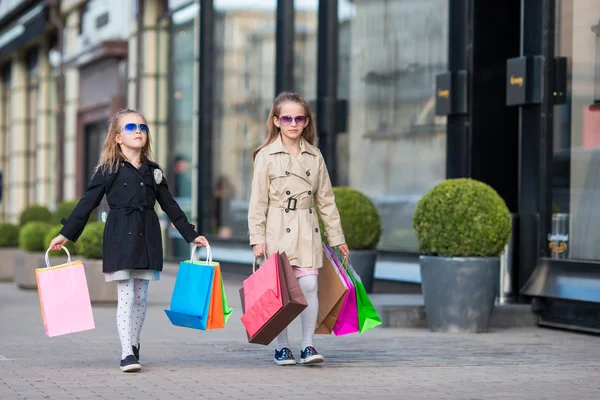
5	117
576	160
244	89
394	147
33	132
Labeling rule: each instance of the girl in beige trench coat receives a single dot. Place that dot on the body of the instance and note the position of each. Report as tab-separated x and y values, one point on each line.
290	178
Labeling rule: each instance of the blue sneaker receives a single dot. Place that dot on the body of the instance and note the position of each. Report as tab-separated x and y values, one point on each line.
310	356
284	357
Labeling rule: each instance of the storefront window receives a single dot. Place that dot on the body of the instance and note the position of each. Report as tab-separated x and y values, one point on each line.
33	111
180	141
394	147
576	162
244	85
5	99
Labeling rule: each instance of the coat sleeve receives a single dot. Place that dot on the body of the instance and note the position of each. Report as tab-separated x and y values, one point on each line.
174	212
73	226
327	208
259	201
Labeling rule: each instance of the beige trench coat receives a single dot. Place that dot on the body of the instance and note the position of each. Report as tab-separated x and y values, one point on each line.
282	213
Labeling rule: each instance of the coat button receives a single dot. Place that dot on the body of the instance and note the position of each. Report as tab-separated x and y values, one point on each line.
310	210
287	172
288	230
125	184
307	173
310	192
316	229
122	164
141	234
288	192
141	183
129	233
287	210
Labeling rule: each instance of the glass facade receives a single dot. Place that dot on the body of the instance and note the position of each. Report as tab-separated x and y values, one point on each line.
576	159
5	115
394	148
391	145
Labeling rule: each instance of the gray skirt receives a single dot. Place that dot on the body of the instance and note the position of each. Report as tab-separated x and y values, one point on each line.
124	274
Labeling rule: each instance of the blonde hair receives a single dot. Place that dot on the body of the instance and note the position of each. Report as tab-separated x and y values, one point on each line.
112	153
310	130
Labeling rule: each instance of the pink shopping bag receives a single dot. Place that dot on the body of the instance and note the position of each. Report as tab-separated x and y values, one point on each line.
347	321
64	298
262	295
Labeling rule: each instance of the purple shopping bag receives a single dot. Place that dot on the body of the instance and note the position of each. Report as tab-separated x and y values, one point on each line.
64	298
347	321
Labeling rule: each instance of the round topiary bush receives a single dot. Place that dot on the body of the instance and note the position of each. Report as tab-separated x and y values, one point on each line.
9	235
64	210
89	244
54	232
34	213
32	236
462	218
360	219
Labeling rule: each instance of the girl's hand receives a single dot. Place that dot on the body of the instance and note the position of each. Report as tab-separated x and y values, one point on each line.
259	250
58	242
200	241
344	249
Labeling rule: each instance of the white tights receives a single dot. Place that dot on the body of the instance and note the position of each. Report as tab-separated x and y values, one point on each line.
309	285
131	312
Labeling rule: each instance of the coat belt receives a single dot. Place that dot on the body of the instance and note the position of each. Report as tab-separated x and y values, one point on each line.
293	203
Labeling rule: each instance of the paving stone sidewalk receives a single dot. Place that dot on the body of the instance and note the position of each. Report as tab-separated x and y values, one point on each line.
385	363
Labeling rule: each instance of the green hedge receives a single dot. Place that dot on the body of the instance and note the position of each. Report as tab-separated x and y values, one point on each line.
360	219
462	218
9	235
33	235
35	213
89	244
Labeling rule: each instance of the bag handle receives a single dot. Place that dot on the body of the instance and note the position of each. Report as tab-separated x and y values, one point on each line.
48	259
208	253
258	258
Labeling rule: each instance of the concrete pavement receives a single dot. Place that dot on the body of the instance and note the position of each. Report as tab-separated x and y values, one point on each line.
384	363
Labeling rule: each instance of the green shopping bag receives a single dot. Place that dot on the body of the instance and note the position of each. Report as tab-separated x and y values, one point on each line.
367	315
226	310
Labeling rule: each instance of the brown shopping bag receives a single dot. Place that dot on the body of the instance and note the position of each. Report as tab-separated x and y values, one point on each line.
293	303
332	293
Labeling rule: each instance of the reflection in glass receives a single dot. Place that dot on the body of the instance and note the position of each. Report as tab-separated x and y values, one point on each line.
394	149
576	162
180	136
244	85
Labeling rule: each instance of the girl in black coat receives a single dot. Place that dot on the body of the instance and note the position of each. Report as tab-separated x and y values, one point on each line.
132	244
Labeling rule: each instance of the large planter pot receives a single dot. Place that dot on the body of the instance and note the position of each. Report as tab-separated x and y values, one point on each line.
101	292
7	263
25	265
459	293
363	262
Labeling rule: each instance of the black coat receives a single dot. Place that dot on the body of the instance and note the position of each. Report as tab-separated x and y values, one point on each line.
132	235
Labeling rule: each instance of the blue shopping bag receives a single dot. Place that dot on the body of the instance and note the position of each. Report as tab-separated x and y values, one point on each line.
190	301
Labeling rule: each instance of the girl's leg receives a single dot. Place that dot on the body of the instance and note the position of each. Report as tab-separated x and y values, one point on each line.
310	286
138	314
124	310
282	341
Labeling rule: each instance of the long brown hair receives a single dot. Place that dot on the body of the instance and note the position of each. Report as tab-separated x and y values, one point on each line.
310	130
112	153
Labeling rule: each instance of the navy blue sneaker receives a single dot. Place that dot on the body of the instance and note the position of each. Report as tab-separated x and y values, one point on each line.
310	355
130	364
284	357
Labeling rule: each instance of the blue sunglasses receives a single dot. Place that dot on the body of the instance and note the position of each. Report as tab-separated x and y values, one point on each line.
132	127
